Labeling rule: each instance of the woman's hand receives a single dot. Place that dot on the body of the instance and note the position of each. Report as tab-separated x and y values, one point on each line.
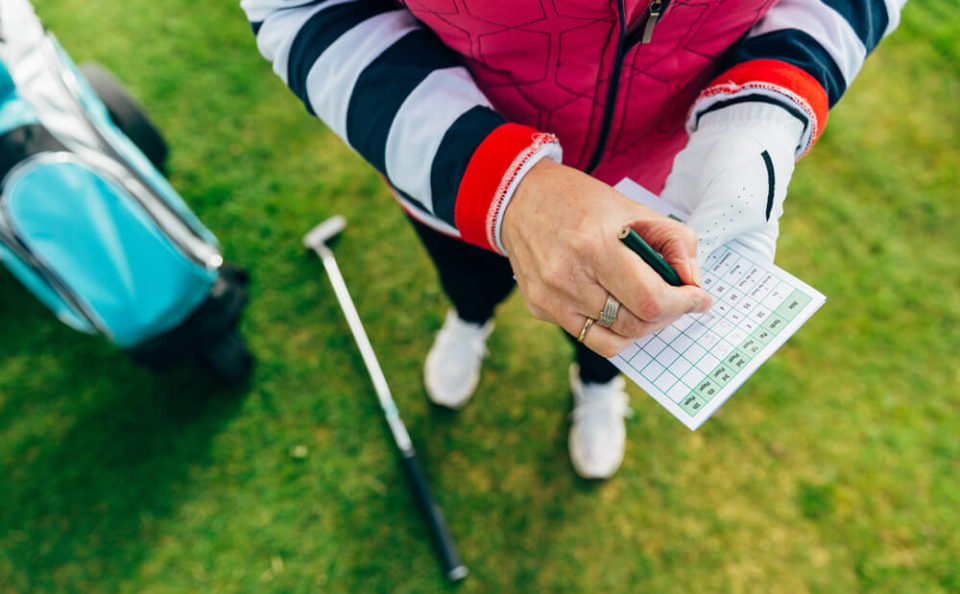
560	233
732	176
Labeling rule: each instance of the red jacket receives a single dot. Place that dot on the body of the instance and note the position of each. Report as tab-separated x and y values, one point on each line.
453	100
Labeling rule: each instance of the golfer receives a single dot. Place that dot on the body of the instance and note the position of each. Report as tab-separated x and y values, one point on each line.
501	126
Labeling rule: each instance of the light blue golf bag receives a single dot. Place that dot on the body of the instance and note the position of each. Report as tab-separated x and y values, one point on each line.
90	225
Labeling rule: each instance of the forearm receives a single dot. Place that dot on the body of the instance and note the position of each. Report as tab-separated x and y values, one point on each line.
394	93
802	55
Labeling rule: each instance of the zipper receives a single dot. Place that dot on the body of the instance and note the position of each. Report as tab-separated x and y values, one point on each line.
11	238
163	215
625	42
655	12
59	286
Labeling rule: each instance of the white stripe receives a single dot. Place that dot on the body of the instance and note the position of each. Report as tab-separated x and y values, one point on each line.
280	29
418	128
332	77
893	14
435	223
703	104
259	10
824	24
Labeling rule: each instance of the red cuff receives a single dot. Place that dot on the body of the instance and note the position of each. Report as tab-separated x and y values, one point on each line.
489	174
774	75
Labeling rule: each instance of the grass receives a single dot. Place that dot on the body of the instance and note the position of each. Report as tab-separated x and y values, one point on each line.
834	469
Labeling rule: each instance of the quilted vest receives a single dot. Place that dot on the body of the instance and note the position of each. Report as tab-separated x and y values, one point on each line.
582	70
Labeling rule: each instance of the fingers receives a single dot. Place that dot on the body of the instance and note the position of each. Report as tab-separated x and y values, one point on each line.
641	289
565	268
676	242
626	324
644	294
605	341
597	338
648	303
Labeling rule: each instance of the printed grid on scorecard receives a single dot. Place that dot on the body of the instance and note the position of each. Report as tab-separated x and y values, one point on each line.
692	366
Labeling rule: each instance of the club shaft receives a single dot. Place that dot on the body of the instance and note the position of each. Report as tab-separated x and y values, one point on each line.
400	434
453	566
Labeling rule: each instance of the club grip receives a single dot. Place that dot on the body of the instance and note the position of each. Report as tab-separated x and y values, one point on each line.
453	566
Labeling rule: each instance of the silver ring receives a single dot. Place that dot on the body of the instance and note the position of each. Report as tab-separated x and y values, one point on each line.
586	326
610	310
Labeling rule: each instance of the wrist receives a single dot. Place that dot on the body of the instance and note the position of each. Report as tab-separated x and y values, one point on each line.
492	177
527	189
547	153
768	81
770	124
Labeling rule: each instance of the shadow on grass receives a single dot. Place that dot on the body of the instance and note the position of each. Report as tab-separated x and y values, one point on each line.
85	496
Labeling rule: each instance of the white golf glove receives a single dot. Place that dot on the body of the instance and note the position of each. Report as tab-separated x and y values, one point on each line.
733	174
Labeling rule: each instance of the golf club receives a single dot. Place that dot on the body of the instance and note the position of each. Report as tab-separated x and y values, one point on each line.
317	240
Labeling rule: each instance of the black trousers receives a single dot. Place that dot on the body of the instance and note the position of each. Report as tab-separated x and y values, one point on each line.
477	280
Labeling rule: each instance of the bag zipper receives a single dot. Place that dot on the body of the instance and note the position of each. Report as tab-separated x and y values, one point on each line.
625	42
162	214
12	239
14	244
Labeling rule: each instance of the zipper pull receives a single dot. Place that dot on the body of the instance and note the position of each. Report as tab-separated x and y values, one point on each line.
656	8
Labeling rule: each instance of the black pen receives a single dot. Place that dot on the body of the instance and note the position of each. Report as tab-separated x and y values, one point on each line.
636	243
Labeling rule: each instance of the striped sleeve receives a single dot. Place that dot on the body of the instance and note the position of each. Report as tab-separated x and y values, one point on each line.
398	96
803	54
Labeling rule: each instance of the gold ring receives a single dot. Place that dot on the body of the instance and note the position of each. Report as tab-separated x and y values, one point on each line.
586	326
610	310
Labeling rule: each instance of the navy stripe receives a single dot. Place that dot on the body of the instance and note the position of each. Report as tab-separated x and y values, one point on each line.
384	85
255	27
318	34
793	47
868	18
457	147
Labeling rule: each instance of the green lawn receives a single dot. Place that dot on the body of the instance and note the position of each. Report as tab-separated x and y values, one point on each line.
834	469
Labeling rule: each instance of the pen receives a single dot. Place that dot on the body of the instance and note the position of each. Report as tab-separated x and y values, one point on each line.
636	243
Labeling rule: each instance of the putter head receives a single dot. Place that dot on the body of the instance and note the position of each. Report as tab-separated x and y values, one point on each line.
324	232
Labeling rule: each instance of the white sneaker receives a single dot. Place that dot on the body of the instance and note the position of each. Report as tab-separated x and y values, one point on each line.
597	433
452	369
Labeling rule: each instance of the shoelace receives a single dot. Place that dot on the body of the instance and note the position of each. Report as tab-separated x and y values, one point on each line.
599	408
474	343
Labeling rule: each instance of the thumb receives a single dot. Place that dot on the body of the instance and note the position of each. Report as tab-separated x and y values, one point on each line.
676	243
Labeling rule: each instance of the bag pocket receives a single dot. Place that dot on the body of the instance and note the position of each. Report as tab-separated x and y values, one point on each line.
93	254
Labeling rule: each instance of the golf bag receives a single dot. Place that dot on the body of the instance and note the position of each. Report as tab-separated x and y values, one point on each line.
89	224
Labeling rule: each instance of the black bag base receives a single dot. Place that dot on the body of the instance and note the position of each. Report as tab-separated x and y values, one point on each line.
229	360
208	336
